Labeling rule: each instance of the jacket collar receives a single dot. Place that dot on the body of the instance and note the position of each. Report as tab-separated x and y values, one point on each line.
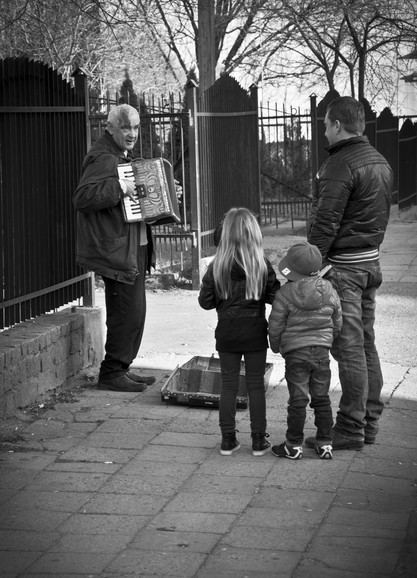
113	148
346	142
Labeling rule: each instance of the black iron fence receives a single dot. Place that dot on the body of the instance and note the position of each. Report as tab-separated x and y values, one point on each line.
278	212
285	152
42	143
286	164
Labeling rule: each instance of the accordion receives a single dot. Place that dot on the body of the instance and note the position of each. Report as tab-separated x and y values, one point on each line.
156	198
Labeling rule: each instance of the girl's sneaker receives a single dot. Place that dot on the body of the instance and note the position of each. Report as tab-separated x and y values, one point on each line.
286	450
229	444
260	445
325	452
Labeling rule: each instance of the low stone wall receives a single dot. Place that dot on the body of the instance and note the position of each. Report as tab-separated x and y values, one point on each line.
39	356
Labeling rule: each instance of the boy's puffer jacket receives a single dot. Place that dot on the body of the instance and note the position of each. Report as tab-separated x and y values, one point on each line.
304	313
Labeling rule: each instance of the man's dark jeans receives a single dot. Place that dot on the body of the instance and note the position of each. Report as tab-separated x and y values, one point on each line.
307	371
125	319
354	349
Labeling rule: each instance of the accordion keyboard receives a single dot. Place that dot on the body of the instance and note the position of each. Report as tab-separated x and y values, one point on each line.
131	210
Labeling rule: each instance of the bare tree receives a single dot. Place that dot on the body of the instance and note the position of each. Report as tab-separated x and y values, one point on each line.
354	39
173	26
93	34
50	31
352	44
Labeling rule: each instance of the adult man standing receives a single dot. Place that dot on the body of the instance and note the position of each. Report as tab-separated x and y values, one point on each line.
120	252
349	217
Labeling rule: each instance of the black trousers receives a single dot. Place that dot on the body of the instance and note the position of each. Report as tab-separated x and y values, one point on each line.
125	320
255	386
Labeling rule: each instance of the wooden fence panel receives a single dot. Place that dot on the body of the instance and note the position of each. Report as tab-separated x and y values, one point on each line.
229	152
370	122
386	141
407	175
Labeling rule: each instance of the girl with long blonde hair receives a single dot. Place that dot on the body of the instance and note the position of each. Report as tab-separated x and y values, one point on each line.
238	283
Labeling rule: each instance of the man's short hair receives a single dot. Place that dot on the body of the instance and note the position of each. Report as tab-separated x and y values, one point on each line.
349	112
120	115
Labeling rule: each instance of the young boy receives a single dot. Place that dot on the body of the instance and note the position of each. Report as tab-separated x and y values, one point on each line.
305	317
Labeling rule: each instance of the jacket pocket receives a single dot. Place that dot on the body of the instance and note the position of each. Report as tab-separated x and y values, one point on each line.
116	253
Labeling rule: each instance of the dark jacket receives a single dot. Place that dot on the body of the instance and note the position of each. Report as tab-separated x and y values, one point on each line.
305	312
352	199
241	323
105	243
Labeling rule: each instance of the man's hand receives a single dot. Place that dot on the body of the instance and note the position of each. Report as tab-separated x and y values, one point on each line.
178	189
129	190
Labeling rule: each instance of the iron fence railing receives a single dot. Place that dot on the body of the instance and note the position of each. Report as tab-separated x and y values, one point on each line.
278	212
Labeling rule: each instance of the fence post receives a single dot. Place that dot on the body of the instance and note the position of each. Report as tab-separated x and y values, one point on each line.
254	100
370	122
195	200
81	87
314	147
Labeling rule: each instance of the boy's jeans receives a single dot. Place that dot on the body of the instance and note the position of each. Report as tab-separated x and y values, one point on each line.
255	385
307	371
354	349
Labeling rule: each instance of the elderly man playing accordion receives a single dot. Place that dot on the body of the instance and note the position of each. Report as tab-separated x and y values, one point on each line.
121	252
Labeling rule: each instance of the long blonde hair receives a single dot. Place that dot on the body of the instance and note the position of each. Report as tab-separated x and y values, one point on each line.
240	243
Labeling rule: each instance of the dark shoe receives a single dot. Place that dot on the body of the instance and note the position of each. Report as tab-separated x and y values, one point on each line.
338	443
341	443
229	444
369	440
141	378
260	445
286	450
121	383
324	451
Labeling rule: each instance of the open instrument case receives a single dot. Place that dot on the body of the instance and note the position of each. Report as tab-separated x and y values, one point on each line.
197	382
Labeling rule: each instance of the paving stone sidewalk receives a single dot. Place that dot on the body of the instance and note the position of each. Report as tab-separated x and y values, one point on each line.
112	484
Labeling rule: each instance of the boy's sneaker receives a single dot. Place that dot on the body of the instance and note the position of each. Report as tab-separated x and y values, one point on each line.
287	451
325	451
229	444
260	445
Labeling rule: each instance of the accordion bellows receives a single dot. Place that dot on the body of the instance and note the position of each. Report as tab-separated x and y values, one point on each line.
155	188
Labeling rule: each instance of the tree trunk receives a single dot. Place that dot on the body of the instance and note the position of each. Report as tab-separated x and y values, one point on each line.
361	76
206	45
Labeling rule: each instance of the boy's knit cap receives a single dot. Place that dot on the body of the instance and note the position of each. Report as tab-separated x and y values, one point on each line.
301	260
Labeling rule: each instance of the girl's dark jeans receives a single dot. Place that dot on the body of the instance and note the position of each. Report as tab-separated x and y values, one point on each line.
255	371
307	371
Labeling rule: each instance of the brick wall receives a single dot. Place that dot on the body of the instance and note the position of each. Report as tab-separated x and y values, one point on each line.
38	356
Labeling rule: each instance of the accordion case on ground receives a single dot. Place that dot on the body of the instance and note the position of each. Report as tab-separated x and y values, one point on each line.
155	188
198	382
